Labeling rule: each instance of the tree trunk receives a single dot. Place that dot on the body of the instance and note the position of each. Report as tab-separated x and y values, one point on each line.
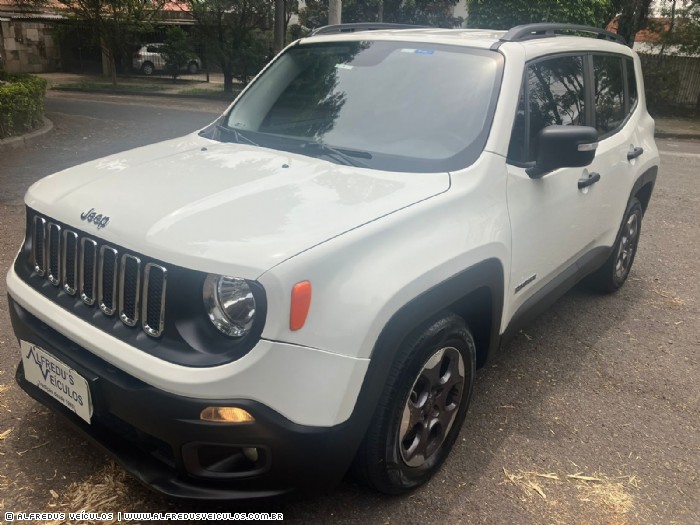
632	18
228	81
279	25
335	8
113	69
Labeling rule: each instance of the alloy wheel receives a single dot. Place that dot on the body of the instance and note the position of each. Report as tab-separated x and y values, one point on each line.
431	407
628	244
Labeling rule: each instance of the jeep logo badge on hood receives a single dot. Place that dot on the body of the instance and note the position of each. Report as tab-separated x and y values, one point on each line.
92	216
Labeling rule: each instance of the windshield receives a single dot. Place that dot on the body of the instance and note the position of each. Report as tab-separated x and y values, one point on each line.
385	105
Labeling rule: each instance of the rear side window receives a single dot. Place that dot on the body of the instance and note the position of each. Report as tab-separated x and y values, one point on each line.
609	93
555	94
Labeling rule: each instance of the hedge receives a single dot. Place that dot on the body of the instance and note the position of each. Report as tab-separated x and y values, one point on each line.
21	103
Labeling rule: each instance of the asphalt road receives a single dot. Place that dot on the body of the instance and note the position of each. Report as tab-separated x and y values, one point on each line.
591	415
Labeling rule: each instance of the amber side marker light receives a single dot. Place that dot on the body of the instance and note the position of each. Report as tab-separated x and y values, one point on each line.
226	415
301	302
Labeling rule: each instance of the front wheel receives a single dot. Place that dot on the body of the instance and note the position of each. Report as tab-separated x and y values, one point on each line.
613	274
422	407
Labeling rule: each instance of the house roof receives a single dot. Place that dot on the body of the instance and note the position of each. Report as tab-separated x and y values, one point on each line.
54	6
650	34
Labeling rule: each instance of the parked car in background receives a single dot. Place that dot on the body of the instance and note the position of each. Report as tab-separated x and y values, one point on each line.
149	58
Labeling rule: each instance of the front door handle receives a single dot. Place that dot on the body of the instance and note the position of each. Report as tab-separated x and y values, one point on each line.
634	153
587	181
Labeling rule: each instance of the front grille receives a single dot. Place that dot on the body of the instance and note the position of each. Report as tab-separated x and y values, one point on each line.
100	275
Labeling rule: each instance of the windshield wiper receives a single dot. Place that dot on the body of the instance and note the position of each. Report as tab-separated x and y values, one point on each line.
343	156
238	137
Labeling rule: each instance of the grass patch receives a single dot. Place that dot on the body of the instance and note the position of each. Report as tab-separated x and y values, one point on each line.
85	85
202	92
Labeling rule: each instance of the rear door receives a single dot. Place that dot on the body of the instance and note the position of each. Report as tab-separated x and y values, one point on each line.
614	101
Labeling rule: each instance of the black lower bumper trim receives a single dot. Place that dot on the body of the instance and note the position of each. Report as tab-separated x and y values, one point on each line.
146	430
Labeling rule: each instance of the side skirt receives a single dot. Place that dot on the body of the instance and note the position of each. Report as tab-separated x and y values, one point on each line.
548	294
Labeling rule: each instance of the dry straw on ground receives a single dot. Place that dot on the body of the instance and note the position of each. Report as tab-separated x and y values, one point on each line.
610	496
104	491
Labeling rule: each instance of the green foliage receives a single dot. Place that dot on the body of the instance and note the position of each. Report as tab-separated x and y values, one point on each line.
419	12
234	35
296	31
177	51
504	14
685	31
254	52
661	87
21	103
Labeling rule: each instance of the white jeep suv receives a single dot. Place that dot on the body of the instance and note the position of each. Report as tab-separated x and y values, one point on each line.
311	281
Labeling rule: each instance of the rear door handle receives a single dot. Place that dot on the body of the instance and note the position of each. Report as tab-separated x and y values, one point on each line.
634	153
587	181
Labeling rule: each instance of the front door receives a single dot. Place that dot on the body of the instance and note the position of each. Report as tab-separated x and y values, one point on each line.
552	219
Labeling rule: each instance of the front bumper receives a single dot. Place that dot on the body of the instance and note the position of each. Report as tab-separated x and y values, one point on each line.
159	438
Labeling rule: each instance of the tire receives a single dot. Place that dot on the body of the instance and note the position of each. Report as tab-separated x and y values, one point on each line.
613	274
408	440
147	68
192	68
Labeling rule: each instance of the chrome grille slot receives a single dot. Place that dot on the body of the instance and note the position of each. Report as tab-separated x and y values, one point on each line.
69	262
88	270
129	284
153	312
39	246
107	270
54	254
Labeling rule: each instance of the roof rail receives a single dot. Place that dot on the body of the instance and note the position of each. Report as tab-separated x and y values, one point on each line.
361	26
542	30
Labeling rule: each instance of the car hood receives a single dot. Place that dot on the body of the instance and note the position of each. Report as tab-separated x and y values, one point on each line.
226	208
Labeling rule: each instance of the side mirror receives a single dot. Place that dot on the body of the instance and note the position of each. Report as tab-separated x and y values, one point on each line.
564	147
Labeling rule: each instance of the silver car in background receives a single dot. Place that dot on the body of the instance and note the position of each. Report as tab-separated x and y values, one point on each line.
149	59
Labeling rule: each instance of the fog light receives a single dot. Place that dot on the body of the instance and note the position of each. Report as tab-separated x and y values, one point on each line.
251	454
226	415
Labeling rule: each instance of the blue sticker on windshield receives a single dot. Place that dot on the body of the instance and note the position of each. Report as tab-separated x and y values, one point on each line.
419	51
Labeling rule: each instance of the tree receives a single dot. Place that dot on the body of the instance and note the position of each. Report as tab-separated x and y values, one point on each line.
504	14
419	12
633	16
235	34
177	51
684	28
113	23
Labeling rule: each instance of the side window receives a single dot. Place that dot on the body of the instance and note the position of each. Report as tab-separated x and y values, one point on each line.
631	84
609	93
555	95
152	49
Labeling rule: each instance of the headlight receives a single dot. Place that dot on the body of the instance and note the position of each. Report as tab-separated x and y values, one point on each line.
230	304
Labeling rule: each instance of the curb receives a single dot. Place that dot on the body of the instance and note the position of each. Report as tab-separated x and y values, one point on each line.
27	138
214	96
672	135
